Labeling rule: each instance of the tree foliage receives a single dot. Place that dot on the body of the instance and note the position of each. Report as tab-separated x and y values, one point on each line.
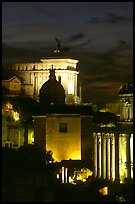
27	158
104	118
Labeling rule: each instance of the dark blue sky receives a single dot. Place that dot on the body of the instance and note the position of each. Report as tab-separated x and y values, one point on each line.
98	34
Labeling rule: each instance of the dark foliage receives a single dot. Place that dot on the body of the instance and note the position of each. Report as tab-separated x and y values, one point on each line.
25	174
104	118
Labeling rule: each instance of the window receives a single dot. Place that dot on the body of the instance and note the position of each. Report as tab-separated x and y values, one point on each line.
63	127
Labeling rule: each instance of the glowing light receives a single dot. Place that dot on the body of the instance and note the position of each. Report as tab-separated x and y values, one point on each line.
62	174
75	155
66	175
113	157
104	110
82	174
122	156
99	156
70	180
16	115
104	190
70	86
30	136
8	107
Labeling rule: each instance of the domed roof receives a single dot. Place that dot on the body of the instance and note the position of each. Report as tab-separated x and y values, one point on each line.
126	89
52	92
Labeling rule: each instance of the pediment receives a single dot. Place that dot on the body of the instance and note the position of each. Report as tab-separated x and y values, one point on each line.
15	80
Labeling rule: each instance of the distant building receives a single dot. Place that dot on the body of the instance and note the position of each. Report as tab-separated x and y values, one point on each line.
124	108
17	128
113	146
114	108
15	86
126	102
44	109
37	73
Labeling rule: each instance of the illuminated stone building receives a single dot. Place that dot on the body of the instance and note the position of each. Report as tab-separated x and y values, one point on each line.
15	86
126	102
113	146
17	127
59	127
37	73
60	123
123	108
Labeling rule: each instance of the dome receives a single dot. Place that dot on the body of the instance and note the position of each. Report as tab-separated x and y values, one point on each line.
52	92
126	89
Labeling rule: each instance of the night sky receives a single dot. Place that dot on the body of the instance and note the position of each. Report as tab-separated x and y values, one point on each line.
98	34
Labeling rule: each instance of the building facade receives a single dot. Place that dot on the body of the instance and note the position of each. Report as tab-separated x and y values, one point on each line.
37	73
60	133
68	134
113	146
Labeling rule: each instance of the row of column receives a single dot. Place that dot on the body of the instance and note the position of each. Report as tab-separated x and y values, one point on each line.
106	156
37	80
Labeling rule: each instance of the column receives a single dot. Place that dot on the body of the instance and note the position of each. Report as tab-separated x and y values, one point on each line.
95	154
37	87
108	156
103	156
30	79
66	175
116	157
99	155
75	84
34	84
128	156
62	171
131	154
72	85
112	167
41	79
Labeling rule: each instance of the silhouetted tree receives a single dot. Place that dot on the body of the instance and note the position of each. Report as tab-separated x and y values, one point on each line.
104	118
49	157
8	173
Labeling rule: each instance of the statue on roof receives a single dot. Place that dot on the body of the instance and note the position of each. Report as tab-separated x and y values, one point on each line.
52	73
58	44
